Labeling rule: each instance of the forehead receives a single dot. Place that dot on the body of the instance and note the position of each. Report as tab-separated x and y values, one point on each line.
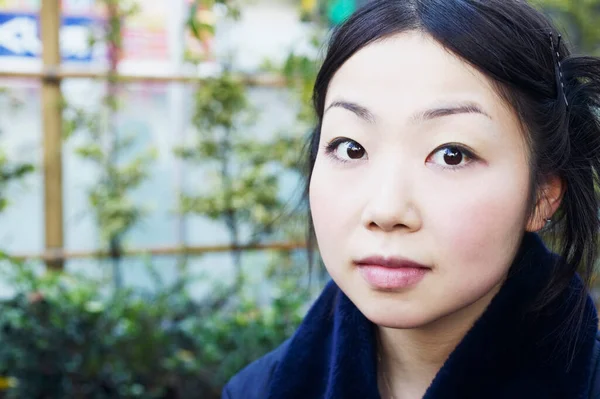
395	76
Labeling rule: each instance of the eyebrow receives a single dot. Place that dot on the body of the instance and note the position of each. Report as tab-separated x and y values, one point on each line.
466	107
360	111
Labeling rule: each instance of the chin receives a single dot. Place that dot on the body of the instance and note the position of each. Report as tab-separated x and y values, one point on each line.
386	309
397	319
393	313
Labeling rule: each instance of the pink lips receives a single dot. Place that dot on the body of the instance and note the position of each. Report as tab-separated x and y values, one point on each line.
391	273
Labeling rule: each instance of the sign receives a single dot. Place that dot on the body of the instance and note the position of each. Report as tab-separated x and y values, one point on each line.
149	37
20	37
69	7
340	10
145	36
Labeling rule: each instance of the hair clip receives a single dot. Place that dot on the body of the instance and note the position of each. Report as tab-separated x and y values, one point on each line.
560	81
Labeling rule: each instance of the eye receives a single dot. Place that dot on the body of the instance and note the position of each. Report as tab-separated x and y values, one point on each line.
453	156
345	150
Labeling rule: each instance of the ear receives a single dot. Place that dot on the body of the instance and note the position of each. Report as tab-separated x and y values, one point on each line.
549	197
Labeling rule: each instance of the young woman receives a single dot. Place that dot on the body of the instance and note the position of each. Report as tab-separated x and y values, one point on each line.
450	133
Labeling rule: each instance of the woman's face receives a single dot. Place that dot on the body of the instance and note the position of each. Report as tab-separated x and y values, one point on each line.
419	159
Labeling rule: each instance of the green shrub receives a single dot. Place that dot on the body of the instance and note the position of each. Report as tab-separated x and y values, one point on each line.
66	336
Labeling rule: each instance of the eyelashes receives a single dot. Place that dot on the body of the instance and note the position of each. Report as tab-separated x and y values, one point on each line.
454	154
331	149
449	156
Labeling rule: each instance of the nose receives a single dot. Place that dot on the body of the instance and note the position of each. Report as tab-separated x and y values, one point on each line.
391	203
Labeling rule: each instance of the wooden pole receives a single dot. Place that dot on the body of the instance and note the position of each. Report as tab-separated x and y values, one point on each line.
52	129
165	251
254	80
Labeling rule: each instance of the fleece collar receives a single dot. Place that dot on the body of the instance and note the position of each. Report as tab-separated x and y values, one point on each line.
505	355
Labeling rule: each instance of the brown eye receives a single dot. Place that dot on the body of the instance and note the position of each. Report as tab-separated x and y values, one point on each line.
354	150
346	150
452	156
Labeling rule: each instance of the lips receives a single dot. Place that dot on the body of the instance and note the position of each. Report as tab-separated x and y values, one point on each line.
390	262
391	273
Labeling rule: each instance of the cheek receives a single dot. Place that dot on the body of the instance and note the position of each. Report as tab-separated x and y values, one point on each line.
322	202
481	224
334	207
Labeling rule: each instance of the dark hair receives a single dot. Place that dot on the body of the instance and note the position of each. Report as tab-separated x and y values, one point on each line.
508	41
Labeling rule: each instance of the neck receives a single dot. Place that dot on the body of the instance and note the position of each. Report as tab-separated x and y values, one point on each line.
411	358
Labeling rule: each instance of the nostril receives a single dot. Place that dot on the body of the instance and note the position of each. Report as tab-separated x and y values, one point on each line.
387	226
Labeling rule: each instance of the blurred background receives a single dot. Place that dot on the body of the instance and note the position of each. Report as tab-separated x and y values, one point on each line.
152	228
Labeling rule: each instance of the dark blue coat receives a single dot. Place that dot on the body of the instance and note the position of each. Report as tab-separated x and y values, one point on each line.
506	354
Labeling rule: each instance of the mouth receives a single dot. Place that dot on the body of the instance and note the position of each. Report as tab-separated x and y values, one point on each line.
391	273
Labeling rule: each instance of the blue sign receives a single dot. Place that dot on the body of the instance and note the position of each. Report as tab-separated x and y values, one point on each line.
20	37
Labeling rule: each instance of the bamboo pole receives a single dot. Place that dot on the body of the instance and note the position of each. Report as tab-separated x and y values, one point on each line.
60	255
52	130
55	73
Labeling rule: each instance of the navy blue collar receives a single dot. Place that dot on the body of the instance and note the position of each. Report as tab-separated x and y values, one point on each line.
506	354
